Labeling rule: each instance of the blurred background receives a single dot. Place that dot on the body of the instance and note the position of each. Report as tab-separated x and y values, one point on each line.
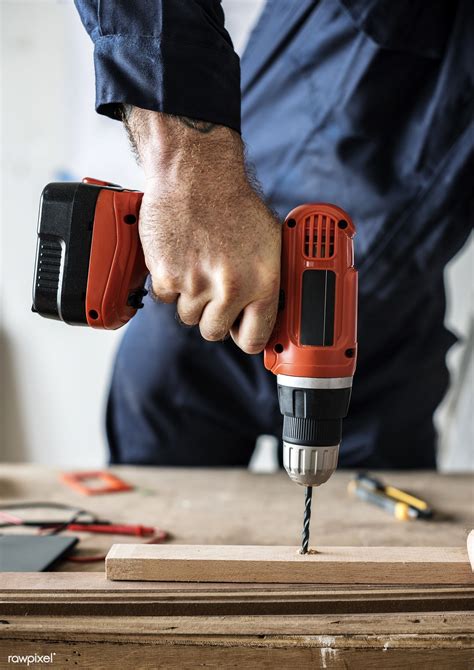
53	379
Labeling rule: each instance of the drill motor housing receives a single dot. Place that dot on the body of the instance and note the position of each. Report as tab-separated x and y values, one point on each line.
313	348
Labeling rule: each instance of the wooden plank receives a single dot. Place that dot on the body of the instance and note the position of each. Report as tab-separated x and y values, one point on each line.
415	640
214	604
90	594
329	565
94	584
458	627
238	641
265	653
96	624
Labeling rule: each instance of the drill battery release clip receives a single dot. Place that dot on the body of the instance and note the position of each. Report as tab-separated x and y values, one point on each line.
90	270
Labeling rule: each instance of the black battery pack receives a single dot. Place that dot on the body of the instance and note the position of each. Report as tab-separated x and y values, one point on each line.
65	224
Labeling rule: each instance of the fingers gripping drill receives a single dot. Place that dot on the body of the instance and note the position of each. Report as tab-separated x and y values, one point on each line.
90	270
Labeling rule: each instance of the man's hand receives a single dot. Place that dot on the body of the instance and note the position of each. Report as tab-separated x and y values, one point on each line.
210	242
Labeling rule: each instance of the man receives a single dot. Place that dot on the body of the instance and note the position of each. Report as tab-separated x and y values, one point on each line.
364	103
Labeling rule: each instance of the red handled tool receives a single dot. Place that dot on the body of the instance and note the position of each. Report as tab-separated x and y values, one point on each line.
113	529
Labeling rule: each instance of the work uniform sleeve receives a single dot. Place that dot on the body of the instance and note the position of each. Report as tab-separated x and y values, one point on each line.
171	56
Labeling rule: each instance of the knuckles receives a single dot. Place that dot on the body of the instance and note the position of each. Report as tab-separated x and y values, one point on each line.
213	333
189	318
163	284
251	346
252	285
231	288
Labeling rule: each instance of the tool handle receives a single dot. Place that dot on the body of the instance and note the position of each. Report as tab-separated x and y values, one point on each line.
422	507
399	510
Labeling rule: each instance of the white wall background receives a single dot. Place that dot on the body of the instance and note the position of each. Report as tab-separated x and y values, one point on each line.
53	378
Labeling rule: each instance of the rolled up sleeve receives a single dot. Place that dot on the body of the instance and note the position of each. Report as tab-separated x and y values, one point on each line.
171	56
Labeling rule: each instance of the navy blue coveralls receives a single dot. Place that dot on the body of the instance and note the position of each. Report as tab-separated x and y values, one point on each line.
364	103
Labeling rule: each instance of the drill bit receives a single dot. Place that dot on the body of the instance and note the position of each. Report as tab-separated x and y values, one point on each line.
306	520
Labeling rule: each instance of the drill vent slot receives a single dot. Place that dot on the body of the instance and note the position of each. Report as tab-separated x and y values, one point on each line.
319	236
49	265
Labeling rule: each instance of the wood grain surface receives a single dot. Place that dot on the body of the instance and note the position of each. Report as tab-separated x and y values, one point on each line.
74	594
265	652
92	623
329	565
96	624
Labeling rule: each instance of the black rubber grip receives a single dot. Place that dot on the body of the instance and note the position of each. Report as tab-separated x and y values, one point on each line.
312	432
314	403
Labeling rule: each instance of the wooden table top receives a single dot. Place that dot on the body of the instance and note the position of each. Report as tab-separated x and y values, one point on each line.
234	506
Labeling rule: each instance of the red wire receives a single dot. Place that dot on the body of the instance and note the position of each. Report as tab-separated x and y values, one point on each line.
158	536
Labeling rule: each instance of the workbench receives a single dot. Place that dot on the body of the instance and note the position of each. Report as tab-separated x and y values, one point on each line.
88	622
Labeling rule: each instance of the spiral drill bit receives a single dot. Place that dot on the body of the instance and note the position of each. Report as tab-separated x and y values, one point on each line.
306	520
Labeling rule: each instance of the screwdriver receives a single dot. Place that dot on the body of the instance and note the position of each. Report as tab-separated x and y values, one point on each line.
400	510
422	509
400	504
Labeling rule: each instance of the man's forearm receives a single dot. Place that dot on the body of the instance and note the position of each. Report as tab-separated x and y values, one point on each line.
179	148
201	126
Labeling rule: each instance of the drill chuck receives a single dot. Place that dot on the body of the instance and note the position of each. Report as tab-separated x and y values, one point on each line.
313	409
309	466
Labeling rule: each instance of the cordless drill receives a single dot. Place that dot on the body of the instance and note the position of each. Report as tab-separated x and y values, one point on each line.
313	347
90	270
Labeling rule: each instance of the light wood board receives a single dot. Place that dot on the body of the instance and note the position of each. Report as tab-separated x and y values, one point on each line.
268	564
